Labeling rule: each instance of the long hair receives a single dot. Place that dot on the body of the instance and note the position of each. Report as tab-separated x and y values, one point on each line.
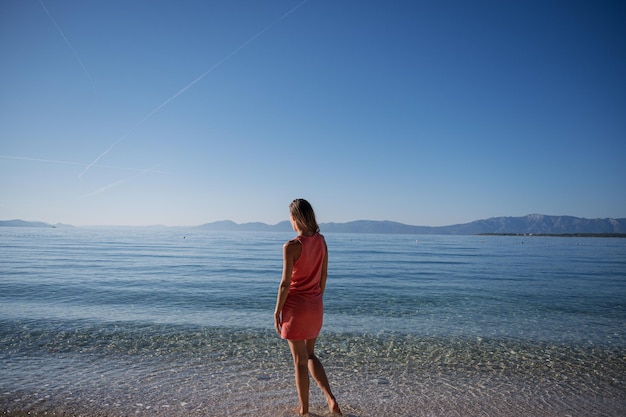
303	214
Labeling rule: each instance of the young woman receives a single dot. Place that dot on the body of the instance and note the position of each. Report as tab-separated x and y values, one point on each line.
299	305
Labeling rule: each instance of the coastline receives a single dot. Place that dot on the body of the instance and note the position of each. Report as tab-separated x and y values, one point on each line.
450	400
594	235
371	375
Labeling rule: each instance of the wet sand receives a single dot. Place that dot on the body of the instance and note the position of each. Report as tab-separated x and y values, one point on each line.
367	386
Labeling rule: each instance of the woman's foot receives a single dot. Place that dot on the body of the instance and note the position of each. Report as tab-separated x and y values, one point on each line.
333	406
298	410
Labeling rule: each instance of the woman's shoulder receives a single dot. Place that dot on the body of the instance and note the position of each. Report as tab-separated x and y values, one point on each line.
292	249
292	243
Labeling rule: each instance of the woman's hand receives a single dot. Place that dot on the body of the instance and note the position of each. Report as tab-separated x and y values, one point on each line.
278	323
290	249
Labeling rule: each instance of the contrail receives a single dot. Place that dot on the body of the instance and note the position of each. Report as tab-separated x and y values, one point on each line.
116	183
191	84
80	61
50	161
54	161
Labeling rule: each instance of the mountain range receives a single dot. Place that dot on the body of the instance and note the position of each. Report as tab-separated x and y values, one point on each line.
530	224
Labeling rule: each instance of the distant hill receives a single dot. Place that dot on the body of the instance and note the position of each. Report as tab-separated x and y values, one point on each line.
532	224
539	224
24	223
230	226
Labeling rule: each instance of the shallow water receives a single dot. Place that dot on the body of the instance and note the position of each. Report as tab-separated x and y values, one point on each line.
179	323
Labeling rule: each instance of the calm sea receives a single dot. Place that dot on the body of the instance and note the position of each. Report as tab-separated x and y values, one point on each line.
178	322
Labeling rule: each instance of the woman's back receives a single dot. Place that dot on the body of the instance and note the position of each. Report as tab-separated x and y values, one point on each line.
307	269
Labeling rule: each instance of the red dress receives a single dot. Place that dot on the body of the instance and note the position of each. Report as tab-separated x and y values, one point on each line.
303	310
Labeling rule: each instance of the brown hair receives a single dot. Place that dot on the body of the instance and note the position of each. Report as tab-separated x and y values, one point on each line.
303	214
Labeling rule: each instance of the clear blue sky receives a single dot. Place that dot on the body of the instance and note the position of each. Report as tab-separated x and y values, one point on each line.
422	112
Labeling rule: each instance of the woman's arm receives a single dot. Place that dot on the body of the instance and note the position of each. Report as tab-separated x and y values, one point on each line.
324	269
291	252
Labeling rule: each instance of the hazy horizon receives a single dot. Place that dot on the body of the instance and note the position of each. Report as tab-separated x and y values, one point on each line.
287	221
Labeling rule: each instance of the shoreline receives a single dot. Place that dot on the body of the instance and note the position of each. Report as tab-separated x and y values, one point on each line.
371	376
449	400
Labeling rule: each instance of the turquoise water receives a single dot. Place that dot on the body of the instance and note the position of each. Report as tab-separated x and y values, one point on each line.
178	322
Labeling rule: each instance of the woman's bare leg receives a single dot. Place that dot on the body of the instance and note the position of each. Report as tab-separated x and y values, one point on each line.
300	360
319	374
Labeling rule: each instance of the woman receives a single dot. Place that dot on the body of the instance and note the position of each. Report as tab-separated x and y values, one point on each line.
299	306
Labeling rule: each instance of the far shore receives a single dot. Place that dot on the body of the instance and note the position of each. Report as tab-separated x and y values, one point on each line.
622	235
